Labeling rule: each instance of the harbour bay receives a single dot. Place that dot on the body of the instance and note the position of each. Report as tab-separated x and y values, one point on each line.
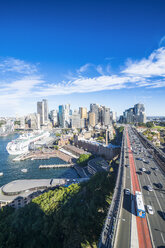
12	170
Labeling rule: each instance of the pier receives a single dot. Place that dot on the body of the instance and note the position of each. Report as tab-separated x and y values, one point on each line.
46	154
50	166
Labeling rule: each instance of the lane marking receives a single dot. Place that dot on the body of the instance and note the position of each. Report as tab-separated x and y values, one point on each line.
162	238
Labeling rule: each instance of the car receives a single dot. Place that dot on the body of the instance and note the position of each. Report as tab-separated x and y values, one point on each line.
159	185
149	188
127	191
126	165
147	162
156	168
143	169
150	209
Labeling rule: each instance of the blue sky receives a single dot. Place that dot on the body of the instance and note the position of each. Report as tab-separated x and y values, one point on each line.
81	52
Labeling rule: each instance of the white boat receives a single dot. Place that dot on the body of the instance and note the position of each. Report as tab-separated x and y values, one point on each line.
1	173
22	143
24	170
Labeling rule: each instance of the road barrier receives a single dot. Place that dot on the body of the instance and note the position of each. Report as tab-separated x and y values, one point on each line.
108	235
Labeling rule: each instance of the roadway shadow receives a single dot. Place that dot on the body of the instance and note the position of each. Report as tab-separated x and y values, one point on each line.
127	202
145	187
161	214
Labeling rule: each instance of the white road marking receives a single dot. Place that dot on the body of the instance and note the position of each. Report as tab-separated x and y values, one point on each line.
162	238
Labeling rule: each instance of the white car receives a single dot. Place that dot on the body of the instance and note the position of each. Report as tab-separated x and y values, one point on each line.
150	209
143	169
149	188
127	191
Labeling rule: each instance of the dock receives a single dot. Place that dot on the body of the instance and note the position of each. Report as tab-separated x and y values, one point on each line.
50	166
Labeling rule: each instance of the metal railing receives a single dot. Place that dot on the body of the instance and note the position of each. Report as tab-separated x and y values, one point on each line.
108	235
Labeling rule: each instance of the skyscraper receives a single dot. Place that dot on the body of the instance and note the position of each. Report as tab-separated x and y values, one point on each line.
75	119
45	110
61	116
83	113
95	109
92	119
42	110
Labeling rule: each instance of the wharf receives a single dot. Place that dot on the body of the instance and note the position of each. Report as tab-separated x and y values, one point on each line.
55	166
39	155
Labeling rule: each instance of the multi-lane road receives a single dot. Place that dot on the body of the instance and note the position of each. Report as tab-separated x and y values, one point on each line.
151	230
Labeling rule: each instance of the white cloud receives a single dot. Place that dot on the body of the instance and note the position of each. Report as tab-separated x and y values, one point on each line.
162	41
153	66
16	65
27	84
84	68
99	69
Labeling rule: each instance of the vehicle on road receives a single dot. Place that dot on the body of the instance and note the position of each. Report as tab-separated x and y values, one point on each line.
127	191
159	185
149	188
126	165
143	169
140	210
150	209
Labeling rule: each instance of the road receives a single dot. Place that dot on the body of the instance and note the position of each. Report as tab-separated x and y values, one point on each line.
156	198
124	237
135	179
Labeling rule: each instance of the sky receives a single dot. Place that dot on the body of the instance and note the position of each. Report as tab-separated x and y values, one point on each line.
110	52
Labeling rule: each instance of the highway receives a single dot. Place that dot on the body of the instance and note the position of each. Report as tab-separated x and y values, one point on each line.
156	198
150	232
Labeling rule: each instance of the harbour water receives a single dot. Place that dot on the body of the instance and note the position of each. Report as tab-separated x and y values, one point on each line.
12	170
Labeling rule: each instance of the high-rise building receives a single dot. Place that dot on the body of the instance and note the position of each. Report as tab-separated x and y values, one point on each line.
75	119
45	110
105	116
92	119
42	110
67	115
83	113
135	114
61	116
113	116
95	109
34	121
54	117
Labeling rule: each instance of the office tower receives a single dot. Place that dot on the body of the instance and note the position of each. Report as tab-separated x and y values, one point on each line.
92	119
105	116
61	116
54	117
42	109
95	109
34	121
135	114
113	116
45	110
83	113
67	115
75	119
138	108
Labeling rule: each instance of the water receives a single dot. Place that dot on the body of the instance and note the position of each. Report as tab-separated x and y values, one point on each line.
12	170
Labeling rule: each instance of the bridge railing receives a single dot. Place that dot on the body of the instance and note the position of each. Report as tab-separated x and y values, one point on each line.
108	234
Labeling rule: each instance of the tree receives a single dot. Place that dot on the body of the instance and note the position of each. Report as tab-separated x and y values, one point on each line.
83	159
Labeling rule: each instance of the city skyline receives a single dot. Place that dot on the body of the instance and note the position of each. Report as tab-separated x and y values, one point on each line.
103	52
